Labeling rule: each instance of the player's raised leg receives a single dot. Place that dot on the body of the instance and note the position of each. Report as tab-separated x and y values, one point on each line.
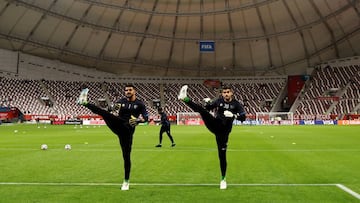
83	97
183	93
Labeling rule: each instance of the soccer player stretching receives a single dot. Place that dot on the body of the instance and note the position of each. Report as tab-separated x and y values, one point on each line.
122	121
226	110
165	127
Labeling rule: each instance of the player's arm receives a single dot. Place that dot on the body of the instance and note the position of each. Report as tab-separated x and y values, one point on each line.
166	120
237	113
133	121
240	113
144	114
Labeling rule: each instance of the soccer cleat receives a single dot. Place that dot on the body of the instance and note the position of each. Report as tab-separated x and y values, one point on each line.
83	97
183	92
223	185
159	145
173	145
125	186
207	100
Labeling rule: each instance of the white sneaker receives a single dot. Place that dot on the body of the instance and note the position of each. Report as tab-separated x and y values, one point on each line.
83	97
125	186
223	185
207	100
182	93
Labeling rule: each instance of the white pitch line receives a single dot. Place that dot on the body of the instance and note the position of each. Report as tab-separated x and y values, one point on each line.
57	148
348	190
60	184
342	187
165	184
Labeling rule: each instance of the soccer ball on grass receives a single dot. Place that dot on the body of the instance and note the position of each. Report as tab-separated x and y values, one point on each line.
67	147
44	147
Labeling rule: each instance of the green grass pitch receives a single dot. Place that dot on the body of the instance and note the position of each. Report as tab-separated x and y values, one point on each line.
265	164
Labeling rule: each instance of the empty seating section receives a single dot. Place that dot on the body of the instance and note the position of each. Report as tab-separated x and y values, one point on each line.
252	95
147	93
26	94
351	97
353	91
196	92
256	97
345	106
172	104
334	88
313	107
114	90
66	93
346	79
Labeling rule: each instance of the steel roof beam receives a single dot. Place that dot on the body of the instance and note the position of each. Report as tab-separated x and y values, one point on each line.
149	35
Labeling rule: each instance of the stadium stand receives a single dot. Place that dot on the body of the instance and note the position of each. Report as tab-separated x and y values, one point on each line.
351	97
27	94
332	88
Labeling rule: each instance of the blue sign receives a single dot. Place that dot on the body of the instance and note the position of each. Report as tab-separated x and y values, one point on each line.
207	46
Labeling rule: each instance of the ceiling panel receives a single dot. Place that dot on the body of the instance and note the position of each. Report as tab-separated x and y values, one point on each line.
162	36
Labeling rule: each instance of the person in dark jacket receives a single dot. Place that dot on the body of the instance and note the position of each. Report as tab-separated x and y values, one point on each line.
121	120
165	127
226	109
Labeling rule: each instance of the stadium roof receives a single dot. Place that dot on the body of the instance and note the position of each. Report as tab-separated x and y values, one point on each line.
164	37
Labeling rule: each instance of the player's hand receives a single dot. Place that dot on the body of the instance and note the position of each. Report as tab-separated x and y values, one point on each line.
133	121
228	114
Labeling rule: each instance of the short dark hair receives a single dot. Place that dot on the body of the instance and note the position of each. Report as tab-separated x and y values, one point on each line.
225	87
130	85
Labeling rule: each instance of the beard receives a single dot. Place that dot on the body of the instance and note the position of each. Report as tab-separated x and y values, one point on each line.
227	99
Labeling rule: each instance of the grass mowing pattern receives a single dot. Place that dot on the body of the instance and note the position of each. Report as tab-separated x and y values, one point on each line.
256	155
